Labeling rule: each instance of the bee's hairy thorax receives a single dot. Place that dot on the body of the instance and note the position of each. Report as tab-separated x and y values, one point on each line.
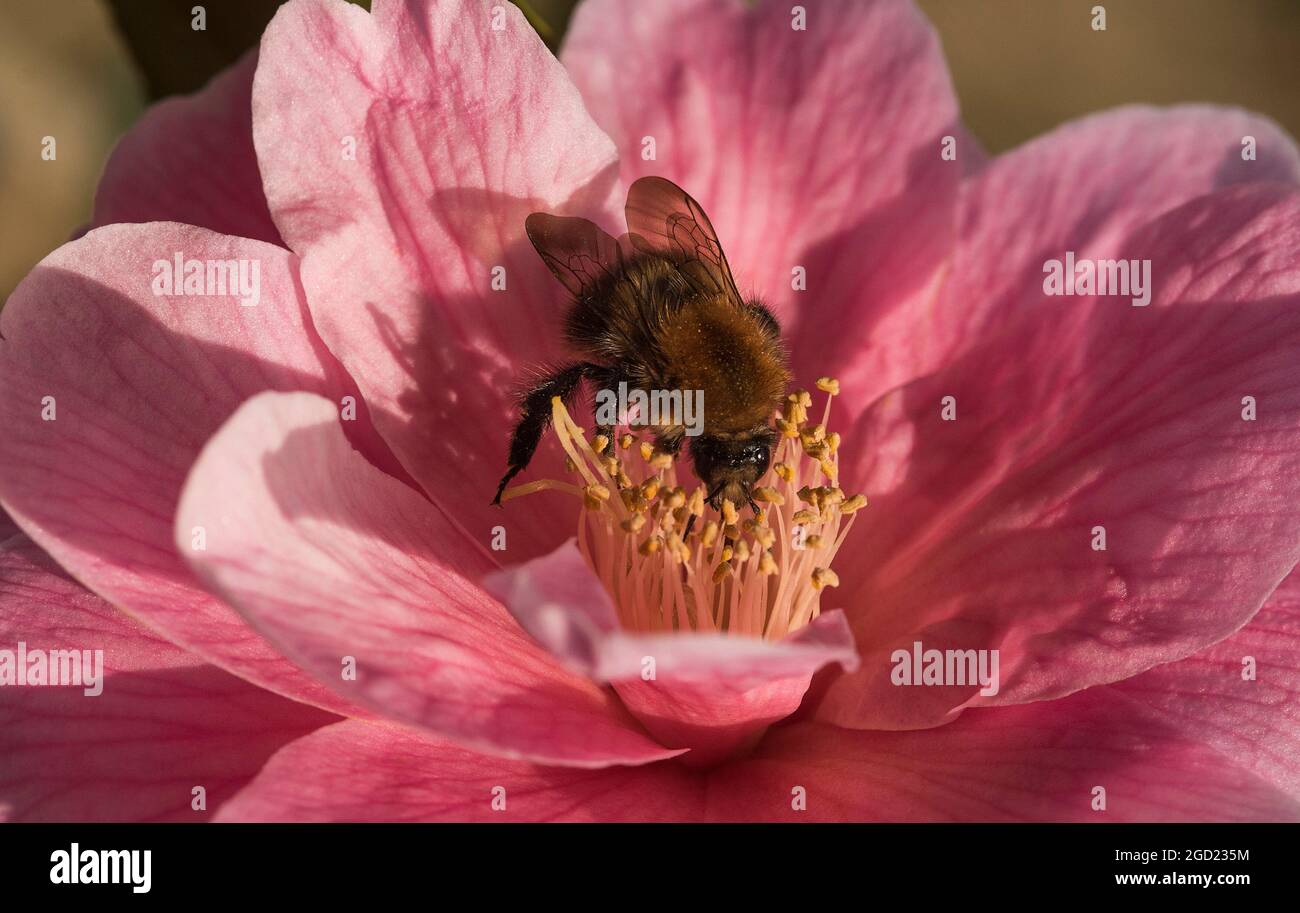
656	332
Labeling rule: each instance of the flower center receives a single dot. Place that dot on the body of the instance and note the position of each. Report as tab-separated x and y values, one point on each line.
672	563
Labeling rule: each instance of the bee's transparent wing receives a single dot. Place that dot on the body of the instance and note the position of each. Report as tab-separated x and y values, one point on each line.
665	220
576	250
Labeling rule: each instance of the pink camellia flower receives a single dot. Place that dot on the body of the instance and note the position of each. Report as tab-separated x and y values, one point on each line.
267	503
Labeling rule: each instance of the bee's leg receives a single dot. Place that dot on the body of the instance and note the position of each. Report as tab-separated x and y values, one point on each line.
714	497
535	416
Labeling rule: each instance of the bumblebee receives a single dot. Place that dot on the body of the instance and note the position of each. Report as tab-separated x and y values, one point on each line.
658	309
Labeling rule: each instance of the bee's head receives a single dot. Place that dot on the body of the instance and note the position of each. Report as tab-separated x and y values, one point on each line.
731	466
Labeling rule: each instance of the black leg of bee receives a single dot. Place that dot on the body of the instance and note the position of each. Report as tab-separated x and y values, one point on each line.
535	415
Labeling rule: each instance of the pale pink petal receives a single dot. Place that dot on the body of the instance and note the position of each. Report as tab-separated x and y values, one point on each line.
135	384
164	723
1090	413
817	148
190	159
711	693
344	568
1085	187
1241	697
366	772
460	131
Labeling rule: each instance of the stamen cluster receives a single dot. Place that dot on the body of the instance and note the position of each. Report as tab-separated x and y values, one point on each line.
671	562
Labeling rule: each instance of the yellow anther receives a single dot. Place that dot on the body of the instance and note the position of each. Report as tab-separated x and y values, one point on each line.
824	577
696	502
710	534
855	503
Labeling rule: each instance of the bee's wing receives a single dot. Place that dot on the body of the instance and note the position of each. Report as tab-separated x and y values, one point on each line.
576	250
664	219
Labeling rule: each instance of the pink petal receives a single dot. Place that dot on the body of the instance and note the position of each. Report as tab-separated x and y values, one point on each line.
191	160
138	383
817	148
8	528
461	131
1253	719
1090	412
1086	187
364	772
164	723
343	561
1036	762
710	693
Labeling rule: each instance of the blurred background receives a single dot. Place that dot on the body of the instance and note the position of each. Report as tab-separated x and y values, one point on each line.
82	70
